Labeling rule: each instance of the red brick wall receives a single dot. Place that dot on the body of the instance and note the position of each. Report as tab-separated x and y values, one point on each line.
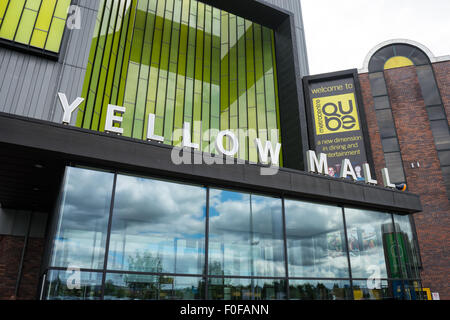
417	144
10	254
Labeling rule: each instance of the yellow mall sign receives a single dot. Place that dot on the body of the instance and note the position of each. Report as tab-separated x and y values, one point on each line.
335	114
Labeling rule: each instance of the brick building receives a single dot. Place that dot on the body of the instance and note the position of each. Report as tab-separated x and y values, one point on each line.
408	116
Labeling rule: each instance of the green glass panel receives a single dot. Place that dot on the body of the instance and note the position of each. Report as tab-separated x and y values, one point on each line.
61	8
155	60
189	89
242	89
163	68
233	76
26	25
89	68
206	99
96	69
224	76
259	76
182	54
251	92
55	35
112	63
43	22
172	79
197	108
99	106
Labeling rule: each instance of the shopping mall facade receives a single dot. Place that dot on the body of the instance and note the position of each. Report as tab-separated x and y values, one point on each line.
134	137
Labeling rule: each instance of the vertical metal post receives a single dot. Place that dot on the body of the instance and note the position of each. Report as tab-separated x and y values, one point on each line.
22	258
347	250
206	245
108	235
283	215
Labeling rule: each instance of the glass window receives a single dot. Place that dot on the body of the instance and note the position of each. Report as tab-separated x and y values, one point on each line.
381	103
73	285
409	256
152	287
246	235
83	219
379	58
315	240
319	289
428	85
246	289
377	84
446	173
385	123
441	134
395	167
370	242
419	58
157	226
381	291
436	113
390	145
444	157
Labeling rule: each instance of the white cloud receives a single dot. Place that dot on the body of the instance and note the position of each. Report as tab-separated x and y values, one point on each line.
339	34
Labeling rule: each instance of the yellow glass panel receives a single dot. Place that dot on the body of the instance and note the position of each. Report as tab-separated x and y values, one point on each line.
45	15
398	62
55	35
3	5
26	25
33	4
11	19
62	8
38	39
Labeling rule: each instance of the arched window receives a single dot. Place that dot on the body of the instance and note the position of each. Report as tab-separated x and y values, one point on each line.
396	56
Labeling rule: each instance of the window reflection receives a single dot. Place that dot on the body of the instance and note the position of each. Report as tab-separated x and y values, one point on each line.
407	248
83	219
62	285
157	226
315	240
246	289
246	235
371	241
319	289
152	287
380	291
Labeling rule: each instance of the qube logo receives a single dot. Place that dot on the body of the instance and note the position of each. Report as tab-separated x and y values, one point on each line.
334	114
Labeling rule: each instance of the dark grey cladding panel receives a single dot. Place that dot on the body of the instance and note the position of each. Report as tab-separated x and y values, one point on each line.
302	183
379	195
346	190
70	144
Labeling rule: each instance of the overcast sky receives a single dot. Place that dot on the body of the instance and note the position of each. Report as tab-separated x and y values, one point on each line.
340	33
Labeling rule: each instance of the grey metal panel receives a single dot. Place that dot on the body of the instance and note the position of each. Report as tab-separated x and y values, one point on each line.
295	7
28	84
